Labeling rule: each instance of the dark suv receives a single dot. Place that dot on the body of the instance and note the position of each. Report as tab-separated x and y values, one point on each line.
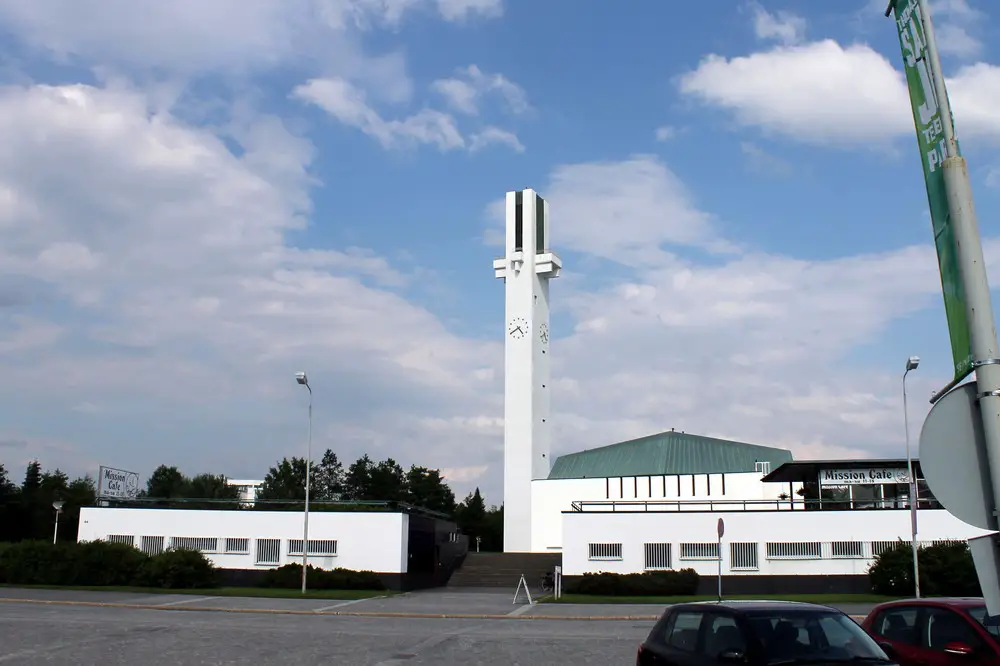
772	633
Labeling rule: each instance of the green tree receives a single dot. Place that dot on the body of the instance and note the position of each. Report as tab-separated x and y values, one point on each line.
10	515
327	483
167	483
426	488
285	481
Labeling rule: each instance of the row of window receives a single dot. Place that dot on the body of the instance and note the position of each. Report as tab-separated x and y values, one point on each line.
267	551
744	556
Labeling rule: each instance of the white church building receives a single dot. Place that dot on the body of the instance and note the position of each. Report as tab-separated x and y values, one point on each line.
655	502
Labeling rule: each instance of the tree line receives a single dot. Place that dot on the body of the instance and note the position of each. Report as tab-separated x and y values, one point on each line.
26	510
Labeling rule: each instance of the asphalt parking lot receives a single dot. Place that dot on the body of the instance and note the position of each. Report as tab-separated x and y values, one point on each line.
431	627
58	634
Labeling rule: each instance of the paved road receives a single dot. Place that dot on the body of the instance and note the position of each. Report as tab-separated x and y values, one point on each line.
432	627
84	635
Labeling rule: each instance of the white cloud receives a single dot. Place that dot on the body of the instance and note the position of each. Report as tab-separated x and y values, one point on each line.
465	91
348	104
781	26
193	297
665	133
828	94
955	21
495	136
458	10
762	161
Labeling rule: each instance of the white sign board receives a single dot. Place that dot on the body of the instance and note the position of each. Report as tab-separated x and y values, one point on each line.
863	477
117	483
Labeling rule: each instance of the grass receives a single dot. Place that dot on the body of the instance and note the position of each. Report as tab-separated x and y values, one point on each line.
265	592
811	598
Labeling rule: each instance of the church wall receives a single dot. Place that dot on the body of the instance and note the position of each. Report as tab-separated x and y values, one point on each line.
761	543
550	497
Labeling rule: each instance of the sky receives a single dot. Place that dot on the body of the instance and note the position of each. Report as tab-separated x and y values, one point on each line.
200	198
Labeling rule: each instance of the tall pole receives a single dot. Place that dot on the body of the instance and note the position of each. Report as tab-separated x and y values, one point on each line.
305	522
972	267
910	365
55	532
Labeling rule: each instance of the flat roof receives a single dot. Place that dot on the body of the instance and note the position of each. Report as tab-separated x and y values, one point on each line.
808	470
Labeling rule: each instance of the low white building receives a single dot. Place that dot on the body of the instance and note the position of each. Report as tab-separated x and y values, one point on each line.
406	549
248	489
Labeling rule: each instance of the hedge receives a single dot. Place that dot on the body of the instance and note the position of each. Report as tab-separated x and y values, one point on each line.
653	583
290	577
946	569
100	564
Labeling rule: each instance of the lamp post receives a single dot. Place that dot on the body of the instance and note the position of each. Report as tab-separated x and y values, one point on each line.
58	506
302	379
911	364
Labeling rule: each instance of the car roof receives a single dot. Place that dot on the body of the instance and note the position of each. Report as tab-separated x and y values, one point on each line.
750	605
959	602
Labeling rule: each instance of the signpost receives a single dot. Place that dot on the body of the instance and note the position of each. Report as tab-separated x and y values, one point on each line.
968	304
117	484
720	530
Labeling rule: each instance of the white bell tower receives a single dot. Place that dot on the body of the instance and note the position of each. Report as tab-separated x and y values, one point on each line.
526	269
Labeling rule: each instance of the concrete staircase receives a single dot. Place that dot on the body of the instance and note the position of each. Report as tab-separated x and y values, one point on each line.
503	570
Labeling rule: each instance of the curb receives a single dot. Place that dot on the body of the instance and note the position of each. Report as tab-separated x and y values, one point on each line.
287	611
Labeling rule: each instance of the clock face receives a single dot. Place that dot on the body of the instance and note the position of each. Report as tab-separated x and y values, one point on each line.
543	333
518	328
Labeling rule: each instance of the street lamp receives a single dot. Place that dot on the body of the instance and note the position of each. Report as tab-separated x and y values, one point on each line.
911	364
302	379
58	506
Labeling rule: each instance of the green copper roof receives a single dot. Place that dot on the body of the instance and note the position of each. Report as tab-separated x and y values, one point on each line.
667	453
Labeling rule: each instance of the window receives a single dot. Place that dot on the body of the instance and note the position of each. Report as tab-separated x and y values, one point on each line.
125	539
657	556
605	551
945	626
743	557
879	547
152	545
319	547
979	614
700	551
847	549
682	632
723	635
898	625
203	544
802	550
518	221
268	551
539	225
762	467
795	636
237	545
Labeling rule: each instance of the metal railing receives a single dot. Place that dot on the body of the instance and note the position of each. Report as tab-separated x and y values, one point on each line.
710	505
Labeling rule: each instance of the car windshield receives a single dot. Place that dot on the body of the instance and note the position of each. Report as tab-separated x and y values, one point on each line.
978	613
790	637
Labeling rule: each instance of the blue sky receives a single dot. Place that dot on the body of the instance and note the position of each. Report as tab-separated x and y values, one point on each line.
198	199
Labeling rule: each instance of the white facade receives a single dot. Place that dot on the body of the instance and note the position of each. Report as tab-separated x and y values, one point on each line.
361	541
755	543
526	269
692	492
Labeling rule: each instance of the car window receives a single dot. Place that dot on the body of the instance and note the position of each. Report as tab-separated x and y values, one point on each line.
682	632
978	613
813	635
945	626
721	635
898	624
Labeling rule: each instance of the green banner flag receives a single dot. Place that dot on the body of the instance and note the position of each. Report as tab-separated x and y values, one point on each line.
930	138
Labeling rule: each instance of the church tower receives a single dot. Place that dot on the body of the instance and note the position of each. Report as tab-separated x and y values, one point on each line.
526	268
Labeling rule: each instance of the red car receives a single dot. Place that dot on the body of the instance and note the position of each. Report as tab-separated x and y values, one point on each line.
935	632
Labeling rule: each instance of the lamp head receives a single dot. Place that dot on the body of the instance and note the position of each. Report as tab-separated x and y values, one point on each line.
301	378
912	363
58	505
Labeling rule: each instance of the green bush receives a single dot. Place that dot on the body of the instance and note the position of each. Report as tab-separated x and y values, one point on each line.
99	564
179	568
290	577
650	584
946	569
